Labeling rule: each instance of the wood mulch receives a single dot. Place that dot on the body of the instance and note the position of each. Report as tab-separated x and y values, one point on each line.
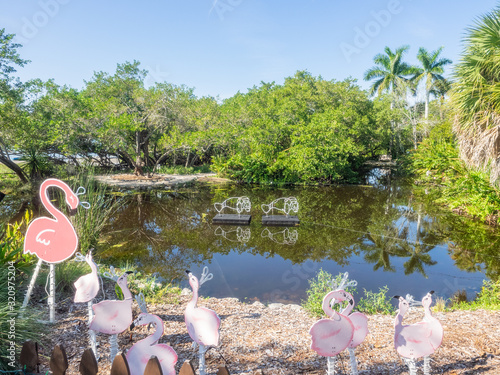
274	339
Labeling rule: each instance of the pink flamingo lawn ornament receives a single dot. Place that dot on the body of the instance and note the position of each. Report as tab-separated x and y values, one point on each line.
360	323
53	240
87	287
202	324
140	353
331	336
437	331
114	316
341	331
413	340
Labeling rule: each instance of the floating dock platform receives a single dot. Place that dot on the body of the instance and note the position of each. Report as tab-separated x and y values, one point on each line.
280	220
232	219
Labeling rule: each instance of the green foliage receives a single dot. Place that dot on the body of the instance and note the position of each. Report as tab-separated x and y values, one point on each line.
138	282
306	131
318	288
436	161
25	328
89	223
488	298
11	244
376	303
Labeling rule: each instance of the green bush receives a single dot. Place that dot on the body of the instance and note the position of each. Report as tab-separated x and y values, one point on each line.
488	298
318	288
376	303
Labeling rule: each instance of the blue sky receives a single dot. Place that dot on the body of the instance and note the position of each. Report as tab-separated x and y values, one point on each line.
225	46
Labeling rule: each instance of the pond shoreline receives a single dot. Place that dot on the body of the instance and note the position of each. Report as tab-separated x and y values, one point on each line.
158	181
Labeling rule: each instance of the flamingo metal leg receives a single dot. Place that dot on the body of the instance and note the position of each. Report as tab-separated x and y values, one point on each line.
354	364
32	284
331	365
427	365
411	366
113	341
92	336
52	292
202	367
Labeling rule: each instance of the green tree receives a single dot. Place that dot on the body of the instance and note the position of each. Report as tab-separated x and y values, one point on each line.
430	72
390	71
476	95
12	111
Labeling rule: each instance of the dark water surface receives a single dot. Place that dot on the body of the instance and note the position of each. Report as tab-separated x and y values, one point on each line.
382	235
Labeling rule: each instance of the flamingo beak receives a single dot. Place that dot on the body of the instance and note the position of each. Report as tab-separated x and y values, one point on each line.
72	212
431	292
132	326
396	297
188	272
129	272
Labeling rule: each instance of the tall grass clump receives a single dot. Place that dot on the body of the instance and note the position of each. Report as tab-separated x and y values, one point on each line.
89	223
13	266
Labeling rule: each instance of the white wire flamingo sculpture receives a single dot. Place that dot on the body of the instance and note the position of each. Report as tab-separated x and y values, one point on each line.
140	353
202	324
242	204
289	204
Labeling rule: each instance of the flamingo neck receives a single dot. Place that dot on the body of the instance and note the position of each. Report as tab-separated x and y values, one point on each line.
194	300
126	292
93	266
158	333
44	197
326	305
399	319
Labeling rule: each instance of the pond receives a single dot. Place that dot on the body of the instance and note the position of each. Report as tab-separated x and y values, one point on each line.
381	234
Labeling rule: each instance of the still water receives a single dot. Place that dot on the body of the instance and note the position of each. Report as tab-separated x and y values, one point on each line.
382	235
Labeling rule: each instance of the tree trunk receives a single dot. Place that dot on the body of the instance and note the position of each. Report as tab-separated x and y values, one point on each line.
138	160
15	168
427	94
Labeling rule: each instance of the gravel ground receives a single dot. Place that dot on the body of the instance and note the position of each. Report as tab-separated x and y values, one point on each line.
274	339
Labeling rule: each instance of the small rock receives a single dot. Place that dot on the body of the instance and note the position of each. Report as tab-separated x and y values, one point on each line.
275	306
185	292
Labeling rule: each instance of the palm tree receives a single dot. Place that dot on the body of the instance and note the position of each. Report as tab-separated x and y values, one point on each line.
391	74
476	96
390	71
431	71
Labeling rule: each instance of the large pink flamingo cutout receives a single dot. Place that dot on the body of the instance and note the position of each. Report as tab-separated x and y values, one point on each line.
87	285
140	353
202	324
413	340
53	240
